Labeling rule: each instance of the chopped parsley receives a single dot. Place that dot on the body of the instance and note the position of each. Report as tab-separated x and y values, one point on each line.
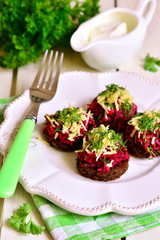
151	63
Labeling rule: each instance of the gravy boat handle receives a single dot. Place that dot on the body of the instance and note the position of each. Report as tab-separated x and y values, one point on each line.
146	8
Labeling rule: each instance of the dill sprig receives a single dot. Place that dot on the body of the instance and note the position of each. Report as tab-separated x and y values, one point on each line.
149	121
102	137
126	106
68	115
111	89
116	95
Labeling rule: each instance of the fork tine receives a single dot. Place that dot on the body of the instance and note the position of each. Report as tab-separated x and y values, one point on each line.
54	86
40	69
51	71
46	69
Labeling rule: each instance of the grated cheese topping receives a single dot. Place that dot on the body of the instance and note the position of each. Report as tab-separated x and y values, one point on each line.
114	95
101	140
110	164
71	119
147	121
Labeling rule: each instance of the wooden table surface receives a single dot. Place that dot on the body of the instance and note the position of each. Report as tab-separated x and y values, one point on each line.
14	83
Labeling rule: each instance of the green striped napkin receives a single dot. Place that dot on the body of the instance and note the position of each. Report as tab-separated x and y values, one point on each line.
3	104
66	225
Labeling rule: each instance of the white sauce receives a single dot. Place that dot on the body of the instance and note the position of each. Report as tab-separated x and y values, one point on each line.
108	31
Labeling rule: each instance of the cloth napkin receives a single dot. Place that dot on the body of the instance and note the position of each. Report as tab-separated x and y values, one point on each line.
63	224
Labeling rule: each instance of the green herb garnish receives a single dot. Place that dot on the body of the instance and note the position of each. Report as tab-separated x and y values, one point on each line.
111	89
22	220
111	105
126	106
100	116
151	63
150	150
115	94
149	122
68	116
99	137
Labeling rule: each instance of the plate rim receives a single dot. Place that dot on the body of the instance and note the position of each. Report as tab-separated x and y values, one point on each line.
94	211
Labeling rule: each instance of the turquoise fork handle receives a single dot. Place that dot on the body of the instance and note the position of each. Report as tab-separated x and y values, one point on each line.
10	171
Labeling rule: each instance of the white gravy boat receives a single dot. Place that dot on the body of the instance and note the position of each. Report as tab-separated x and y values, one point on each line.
104	54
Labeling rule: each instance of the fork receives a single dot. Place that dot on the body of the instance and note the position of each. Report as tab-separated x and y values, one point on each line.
40	91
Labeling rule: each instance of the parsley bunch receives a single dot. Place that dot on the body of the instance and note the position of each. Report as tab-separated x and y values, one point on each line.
28	28
22	220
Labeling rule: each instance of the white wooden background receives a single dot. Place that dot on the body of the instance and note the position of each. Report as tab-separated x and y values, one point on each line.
15	84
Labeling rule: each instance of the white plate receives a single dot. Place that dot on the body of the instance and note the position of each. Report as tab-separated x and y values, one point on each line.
52	174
